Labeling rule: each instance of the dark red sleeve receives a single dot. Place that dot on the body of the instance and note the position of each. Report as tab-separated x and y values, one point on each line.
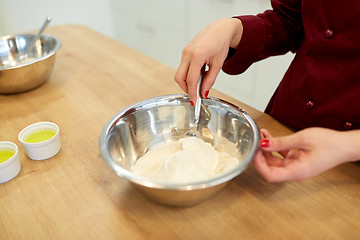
271	33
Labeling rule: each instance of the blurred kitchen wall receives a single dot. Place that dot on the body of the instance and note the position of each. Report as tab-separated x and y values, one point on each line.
17	16
157	28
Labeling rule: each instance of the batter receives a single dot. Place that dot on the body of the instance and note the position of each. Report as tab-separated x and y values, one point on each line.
186	160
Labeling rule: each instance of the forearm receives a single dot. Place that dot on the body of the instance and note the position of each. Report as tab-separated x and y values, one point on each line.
351	145
236	32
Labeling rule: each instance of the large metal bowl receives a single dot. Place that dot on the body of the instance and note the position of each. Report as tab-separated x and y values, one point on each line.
144	125
23	69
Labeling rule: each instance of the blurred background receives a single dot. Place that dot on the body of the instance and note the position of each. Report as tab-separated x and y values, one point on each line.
157	28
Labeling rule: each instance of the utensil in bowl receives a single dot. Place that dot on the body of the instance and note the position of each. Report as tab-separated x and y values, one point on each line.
147	124
38	35
194	131
22	70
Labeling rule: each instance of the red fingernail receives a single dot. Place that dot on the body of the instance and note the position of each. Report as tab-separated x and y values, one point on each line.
206	93
264	143
192	103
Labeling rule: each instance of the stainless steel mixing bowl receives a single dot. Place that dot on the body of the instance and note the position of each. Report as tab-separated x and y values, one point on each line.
23	69
144	125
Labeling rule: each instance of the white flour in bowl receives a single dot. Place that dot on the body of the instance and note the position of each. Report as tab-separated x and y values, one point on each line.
186	160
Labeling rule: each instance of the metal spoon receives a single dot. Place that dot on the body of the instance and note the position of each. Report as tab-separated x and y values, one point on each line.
37	37
194	131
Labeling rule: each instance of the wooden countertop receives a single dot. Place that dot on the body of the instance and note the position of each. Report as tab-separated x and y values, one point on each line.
75	195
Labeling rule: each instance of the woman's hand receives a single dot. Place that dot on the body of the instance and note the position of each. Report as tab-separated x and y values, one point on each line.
209	47
305	154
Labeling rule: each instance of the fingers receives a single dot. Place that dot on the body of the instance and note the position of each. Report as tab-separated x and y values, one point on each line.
181	75
193	78
296	140
210	46
209	79
273	162
307	155
187	80
268	172
272	174
188	72
265	133
275	169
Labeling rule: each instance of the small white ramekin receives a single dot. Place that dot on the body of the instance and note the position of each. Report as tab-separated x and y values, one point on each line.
11	167
41	150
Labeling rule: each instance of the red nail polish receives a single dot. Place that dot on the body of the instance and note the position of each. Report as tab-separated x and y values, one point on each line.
192	103
206	93
264	143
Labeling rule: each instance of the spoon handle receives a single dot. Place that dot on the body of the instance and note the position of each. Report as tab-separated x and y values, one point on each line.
38	35
198	95
47	21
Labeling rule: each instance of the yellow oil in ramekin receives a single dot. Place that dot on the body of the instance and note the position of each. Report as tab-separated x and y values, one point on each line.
40	136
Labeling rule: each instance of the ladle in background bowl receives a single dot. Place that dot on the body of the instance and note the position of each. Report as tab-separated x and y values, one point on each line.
22	69
38	35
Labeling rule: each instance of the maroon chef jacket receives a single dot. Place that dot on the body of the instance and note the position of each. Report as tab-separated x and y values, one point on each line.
322	85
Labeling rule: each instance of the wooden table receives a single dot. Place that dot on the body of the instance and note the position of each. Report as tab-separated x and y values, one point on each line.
75	195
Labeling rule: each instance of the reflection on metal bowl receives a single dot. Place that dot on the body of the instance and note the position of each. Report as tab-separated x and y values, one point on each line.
147	124
23	69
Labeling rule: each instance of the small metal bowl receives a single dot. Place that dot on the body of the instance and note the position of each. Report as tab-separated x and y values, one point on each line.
144	125
23	69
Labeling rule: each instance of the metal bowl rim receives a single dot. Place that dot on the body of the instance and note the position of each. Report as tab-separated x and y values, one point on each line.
221	178
48	55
